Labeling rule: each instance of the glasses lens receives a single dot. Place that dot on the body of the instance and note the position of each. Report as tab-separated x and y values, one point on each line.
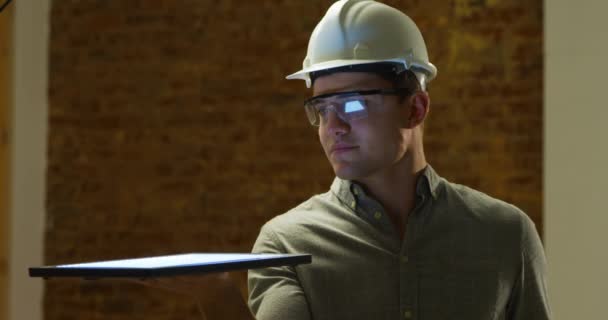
349	107
312	113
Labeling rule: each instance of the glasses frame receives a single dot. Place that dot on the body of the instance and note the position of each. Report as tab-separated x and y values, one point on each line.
346	94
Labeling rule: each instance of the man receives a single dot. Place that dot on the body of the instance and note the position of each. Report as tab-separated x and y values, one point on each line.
391	239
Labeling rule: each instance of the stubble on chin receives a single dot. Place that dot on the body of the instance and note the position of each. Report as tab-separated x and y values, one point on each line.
344	170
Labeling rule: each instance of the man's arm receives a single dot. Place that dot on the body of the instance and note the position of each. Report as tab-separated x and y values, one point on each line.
275	293
529	296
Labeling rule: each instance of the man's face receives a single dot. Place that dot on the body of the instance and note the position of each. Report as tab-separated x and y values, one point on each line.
363	148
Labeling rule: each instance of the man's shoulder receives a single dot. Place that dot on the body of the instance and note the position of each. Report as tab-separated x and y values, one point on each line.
488	217
480	205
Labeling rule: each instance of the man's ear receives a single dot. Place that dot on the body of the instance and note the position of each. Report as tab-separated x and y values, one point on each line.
420	104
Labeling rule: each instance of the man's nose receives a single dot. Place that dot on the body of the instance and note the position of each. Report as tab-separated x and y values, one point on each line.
336	125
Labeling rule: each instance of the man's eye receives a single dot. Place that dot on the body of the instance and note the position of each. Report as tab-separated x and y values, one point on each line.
322	110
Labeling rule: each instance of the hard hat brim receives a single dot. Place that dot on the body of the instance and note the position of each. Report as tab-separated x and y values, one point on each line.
304	74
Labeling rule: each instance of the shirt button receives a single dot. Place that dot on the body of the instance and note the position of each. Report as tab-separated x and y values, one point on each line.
353	204
407	314
377	215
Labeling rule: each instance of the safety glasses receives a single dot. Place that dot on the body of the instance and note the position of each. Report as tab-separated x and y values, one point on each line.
349	106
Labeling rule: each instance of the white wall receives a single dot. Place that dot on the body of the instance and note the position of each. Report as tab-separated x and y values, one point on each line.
576	157
28	141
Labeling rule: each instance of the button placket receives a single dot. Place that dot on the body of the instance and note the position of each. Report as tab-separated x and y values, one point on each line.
407	314
378	215
407	263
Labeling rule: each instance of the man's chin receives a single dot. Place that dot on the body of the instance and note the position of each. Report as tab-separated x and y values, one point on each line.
345	172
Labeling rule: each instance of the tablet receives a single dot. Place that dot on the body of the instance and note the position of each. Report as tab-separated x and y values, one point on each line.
172	265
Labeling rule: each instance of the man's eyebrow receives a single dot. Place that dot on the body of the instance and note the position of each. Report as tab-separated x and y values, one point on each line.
349	88
344	93
337	93
360	85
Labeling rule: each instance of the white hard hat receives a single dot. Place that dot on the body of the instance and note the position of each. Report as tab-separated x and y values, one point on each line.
364	31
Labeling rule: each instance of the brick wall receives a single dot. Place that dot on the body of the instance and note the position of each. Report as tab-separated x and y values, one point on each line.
172	128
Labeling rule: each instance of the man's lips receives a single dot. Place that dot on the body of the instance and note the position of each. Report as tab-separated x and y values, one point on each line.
340	148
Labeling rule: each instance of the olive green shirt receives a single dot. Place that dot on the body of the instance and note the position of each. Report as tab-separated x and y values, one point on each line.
464	256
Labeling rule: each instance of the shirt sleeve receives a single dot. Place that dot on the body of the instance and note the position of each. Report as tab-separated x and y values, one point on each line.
529	296
275	293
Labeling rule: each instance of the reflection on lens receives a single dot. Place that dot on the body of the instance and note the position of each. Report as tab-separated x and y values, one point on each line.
353	106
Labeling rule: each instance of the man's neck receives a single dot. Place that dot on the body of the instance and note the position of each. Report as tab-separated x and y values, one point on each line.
395	187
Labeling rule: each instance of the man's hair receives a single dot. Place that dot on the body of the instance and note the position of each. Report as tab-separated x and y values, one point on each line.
392	72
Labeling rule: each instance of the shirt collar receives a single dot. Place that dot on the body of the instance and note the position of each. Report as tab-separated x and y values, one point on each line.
428	183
